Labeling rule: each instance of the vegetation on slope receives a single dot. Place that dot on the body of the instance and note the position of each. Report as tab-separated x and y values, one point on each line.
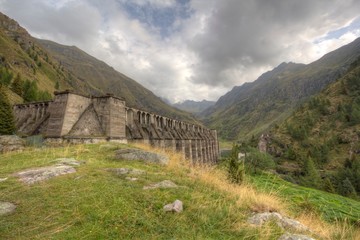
96	204
252	108
321	138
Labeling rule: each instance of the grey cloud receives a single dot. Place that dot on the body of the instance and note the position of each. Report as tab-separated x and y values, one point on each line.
70	23
258	33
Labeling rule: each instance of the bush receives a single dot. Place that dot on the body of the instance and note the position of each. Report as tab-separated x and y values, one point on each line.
257	161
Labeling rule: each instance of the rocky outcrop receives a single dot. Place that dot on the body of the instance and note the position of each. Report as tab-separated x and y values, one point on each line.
137	154
289	236
41	174
11	143
283	222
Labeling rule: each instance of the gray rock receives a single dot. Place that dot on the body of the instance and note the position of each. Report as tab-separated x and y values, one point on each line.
124	171
40	174
288	223
261	218
6	208
283	222
11	143
69	161
137	154
163	184
289	236
176	206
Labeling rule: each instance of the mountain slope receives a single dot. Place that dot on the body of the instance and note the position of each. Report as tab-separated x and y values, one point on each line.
194	106
326	129
53	66
107	80
253	107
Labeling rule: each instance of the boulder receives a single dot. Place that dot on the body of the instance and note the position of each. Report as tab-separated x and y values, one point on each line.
283	222
6	208
176	206
137	154
163	184
11	143
40	174
289	236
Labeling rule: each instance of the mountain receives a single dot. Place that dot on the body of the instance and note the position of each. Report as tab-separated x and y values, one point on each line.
194	106
54	66
252	108
325	131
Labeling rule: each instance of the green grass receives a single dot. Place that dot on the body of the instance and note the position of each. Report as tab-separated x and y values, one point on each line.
332	207
96	204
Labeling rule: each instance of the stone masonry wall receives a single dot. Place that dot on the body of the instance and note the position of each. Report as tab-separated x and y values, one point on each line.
75	118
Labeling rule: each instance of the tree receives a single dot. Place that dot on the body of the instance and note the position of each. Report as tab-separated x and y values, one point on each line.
30	91
57	85
328	186
5	76
311	176
7	125
347	189
236	169
17	85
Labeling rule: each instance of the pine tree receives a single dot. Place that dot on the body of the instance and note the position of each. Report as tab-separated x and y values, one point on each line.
17	85
328	186
7	125
311	176
347	189
30	91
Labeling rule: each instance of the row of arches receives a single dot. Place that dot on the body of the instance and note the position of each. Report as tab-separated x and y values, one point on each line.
145	118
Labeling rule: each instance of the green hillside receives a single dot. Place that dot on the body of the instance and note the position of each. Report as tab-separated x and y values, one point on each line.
95	203
44	66
324	133
252	108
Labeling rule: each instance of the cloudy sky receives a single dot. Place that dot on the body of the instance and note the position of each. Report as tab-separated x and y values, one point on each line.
192	49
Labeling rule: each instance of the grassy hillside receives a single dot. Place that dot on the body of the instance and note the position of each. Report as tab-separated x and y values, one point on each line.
252	108
93	203
325	130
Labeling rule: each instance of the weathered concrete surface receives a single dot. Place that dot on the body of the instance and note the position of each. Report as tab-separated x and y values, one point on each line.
11	143
6	208
41	174
163	184
137	154
176	206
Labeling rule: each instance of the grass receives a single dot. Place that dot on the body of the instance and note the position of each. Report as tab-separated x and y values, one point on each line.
332	207
96	204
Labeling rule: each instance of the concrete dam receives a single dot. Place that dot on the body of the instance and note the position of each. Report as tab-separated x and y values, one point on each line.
75	118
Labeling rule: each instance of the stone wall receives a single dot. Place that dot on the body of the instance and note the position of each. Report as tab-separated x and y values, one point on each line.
75	118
